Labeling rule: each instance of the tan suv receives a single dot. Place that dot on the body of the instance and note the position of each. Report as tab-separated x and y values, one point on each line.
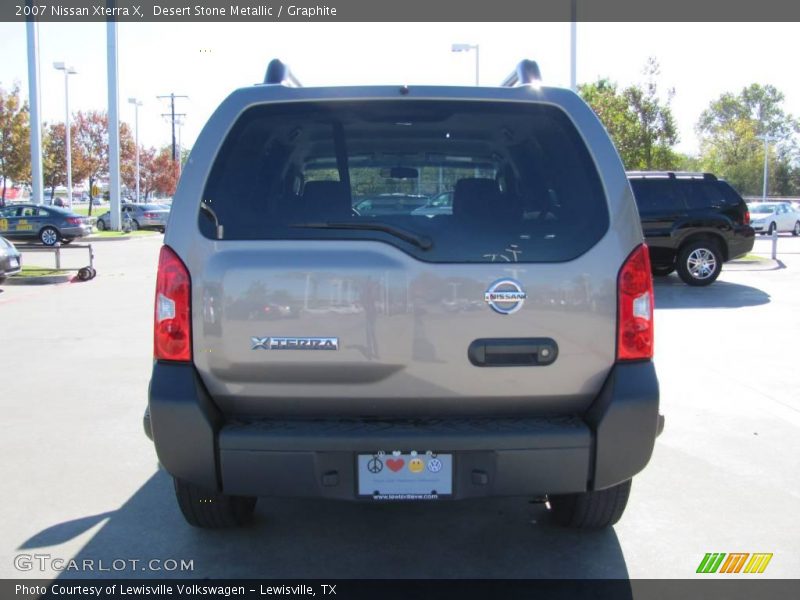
502	348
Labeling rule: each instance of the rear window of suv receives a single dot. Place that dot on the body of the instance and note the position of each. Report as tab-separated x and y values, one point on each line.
519	180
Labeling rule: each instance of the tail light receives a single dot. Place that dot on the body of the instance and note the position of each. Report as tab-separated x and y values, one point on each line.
149	215
635	309
746	216
74	220
173	315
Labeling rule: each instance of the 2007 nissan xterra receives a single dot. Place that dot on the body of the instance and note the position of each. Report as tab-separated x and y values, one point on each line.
318	334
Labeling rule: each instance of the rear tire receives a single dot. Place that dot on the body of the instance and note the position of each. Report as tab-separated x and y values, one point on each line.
699	263
591	510
100	224
212	510
772	228
134	225
796	230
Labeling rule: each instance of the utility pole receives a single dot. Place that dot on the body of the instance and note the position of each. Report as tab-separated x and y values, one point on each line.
180	124
172	115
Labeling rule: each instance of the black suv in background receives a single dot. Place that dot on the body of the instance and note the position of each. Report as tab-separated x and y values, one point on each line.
692	222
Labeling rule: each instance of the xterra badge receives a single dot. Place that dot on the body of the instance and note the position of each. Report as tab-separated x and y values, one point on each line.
505	296
295	343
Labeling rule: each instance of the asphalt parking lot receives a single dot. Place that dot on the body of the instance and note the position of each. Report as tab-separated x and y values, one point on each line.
81	480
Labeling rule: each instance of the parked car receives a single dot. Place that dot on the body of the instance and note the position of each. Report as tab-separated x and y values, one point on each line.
440	204
389	204
767	217
692	222
10	259
48	224
143	216
385	396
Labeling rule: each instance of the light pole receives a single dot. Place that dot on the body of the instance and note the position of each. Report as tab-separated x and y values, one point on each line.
467	48
767	139
573	47
37	192
67	72
136	104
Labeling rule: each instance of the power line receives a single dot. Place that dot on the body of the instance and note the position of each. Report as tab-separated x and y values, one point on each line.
172	115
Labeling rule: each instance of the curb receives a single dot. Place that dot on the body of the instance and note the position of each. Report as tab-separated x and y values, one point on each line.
46	280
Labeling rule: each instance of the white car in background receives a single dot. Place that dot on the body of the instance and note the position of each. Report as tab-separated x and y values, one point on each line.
766	217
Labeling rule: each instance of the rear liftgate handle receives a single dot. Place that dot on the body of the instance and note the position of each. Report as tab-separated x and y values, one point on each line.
510	352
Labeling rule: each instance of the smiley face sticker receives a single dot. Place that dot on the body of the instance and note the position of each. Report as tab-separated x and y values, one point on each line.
416	465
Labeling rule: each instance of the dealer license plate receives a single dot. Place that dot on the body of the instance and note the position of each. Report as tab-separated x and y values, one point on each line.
405	476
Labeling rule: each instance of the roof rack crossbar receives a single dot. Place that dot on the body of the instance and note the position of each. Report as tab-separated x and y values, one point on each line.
278	73
527	72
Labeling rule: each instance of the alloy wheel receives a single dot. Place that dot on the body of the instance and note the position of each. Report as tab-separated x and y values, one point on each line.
701	263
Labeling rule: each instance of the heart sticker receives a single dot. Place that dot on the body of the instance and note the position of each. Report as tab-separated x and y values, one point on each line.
395	464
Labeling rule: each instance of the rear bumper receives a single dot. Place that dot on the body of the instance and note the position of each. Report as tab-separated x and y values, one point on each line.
76	232
492	457
156	223
742	242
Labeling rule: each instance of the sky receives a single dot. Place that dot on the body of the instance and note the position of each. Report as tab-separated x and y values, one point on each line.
206	61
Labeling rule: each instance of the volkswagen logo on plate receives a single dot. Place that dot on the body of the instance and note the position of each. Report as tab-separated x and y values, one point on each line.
505	296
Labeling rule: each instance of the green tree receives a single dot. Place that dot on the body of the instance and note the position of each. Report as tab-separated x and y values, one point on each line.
638	119
731	144
612	109
15	158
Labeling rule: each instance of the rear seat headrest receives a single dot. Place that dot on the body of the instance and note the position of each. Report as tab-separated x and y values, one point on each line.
326	200
475	197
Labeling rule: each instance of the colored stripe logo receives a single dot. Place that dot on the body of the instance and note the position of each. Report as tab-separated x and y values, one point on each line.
734	562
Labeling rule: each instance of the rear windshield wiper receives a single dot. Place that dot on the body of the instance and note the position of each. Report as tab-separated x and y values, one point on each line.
420	241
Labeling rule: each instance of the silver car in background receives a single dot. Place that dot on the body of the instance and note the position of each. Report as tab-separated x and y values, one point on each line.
143	216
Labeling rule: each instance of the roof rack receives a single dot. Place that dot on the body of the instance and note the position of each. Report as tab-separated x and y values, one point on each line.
527	72
278	73
673	175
